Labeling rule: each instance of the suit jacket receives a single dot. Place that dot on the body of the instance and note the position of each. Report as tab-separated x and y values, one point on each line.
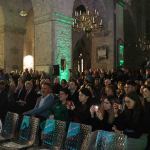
30	99
44	110
20	94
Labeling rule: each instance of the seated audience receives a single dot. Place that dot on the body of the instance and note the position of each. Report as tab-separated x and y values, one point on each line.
73	88
130	122
104	114
146	95
59	110
81	114
44	104
29	100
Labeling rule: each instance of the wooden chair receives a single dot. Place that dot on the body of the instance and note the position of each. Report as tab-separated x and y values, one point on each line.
92	140
77	136
121	142
53	134
9	127
104	140
27	135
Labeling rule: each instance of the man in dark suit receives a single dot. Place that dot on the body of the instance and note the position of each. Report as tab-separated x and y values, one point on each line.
20	90
73	88
19	95
44	104
29	100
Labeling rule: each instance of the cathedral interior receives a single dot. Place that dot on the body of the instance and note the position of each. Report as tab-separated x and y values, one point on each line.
42	34
75	74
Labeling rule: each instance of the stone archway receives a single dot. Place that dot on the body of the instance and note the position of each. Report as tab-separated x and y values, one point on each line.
82	48
100	38
81	54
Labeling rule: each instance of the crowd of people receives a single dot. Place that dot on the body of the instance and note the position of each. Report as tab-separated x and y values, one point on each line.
116	100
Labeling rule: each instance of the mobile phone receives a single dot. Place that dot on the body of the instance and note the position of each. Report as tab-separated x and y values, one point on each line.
96	108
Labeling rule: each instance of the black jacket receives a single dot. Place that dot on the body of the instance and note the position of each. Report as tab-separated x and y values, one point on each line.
131	123
3	104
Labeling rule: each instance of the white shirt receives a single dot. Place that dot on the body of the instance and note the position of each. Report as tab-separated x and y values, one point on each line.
42	101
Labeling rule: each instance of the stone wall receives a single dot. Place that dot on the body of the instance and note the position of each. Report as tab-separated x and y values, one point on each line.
135	27
43	36
105	39
12	36
52	35
13	50
48	36
29	36
101	38
63	43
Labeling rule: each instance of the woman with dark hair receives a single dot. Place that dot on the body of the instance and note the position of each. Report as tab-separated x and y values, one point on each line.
64	84
120	91
108	91
81	113
130	122
146	95
104	114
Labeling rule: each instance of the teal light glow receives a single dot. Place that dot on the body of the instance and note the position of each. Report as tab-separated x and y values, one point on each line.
63	36
62	18
121	3
121	62
121	55
121	49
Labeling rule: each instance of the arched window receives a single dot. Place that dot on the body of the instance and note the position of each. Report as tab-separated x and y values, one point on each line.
28	62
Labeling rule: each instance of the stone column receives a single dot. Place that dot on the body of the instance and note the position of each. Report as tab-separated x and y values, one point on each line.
13	56
43	43
11	36
53	42
11	45
62	43
42	34
53	37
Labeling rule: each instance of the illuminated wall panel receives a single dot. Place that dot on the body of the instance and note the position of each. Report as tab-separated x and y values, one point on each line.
63	44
